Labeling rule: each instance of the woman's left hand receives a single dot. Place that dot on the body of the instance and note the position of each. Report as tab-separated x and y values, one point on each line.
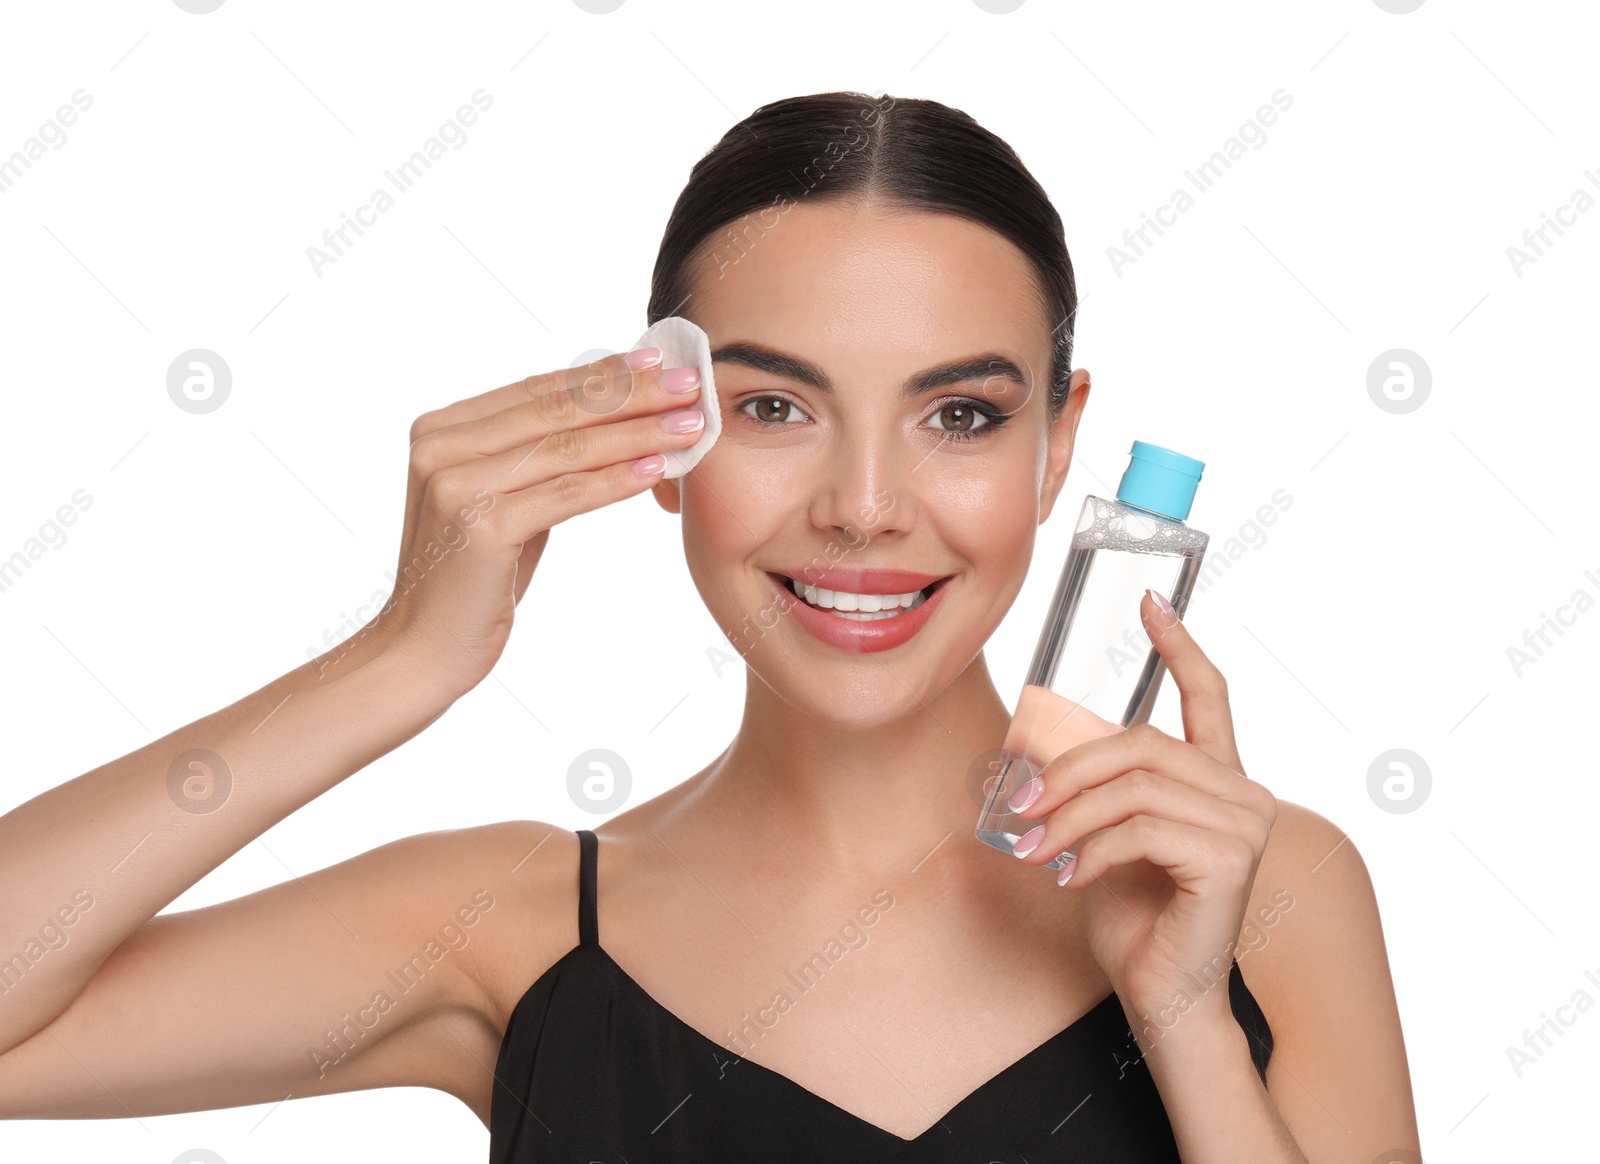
1168	835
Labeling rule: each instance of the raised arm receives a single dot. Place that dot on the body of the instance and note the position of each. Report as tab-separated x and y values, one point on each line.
107	1009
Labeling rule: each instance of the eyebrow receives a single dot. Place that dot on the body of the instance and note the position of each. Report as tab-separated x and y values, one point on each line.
764	359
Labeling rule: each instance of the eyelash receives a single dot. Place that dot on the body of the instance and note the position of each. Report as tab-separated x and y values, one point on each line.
993	417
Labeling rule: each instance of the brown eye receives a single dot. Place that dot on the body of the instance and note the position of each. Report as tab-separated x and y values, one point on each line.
959	416
769	409
956	417
958	420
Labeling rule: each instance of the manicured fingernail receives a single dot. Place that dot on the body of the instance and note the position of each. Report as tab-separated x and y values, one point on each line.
651	465
1026	795
641	358
1028	842
1067	868
1166	607
679	379
684	420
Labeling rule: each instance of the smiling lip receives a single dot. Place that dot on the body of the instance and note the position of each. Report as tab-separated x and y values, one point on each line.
857	580
851	635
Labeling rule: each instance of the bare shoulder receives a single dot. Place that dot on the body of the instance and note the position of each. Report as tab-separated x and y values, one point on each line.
519	885
1313	953
531	868
1302	847
421	947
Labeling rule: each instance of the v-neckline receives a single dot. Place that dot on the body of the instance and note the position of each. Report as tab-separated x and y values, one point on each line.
785	1081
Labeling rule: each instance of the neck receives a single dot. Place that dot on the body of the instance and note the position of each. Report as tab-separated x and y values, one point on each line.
857	800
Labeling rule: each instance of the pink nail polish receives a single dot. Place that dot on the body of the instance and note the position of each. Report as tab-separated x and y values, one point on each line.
651	465
641	358
1166	607
679	379
1026	795
1028	842
684	420
1067	869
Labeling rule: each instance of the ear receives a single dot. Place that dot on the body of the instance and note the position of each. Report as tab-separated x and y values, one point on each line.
667	494
1063	436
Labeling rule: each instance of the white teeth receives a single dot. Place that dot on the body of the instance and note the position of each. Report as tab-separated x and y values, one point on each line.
860	607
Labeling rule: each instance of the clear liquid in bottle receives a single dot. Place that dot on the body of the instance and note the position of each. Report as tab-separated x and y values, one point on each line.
1094	671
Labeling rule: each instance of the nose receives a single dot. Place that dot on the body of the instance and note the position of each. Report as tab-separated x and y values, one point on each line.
863	486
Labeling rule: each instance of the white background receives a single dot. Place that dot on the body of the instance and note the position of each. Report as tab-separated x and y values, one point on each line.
1376	614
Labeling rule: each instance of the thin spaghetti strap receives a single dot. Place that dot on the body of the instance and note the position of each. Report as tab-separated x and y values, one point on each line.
588	915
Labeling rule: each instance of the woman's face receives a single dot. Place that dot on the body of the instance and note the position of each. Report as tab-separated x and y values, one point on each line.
836	466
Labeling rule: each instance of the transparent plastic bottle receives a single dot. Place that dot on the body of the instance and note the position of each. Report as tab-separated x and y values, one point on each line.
1095	671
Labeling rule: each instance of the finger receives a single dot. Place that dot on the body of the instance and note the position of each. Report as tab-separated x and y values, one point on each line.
1191	855
1207	715
550	425
570	397
519	516
1140	748
575	450
600	383
587	404
1129	795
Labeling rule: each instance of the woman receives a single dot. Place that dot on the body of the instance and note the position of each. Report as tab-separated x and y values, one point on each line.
801	952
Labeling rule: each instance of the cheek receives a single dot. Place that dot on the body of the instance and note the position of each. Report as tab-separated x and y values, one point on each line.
988	512
730	508
988	518
739	498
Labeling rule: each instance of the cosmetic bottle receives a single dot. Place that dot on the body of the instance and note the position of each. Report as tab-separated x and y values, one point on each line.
1094	671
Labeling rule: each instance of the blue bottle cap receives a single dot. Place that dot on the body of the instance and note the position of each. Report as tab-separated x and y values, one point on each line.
1160	480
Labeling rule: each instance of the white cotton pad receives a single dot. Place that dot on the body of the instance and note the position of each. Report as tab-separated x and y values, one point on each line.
684	345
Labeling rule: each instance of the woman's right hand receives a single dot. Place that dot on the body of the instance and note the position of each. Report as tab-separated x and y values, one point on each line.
122	1018
491	474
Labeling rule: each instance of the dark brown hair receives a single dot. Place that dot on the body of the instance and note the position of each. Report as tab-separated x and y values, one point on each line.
909	153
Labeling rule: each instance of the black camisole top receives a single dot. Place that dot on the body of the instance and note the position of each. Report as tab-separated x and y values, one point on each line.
593	1070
